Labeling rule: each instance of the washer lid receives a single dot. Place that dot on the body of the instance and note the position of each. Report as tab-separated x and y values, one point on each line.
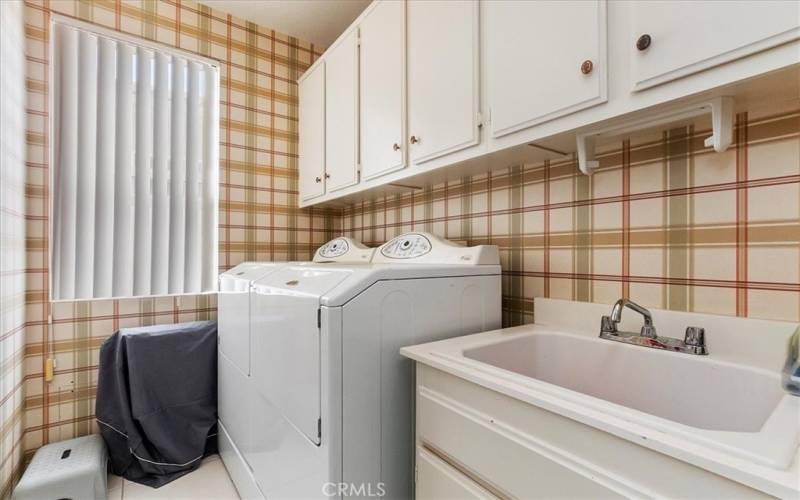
238	278
343	249
297	280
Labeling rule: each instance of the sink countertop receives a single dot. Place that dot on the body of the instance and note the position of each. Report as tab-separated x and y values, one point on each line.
706	449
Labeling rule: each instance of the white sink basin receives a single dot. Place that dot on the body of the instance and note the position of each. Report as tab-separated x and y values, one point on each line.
725	412
687	389
731	408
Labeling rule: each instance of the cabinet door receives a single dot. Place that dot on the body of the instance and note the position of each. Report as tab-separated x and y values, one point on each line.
688	39
341	113
312	133
442	77
544	59
382	89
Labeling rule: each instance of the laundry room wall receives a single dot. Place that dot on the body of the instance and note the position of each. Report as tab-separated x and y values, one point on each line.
259	218
665	221
12	239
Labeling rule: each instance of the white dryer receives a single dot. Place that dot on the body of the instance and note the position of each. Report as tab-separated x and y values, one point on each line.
234	366
332	407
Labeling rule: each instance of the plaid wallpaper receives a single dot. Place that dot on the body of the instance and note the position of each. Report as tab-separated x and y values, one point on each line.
666	222
12	239
259	218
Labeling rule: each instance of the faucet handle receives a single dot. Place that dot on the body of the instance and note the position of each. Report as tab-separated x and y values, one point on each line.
696	337
648	331
607	325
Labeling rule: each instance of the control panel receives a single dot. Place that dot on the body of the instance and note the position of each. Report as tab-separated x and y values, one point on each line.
334	248
407	246
344	249
427	248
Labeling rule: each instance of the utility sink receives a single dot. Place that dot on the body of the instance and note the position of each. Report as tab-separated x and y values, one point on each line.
724	411
690	390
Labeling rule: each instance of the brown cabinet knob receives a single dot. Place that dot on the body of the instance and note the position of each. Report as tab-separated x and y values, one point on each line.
587	67
414	139
396	147
317	180
327	176
643	42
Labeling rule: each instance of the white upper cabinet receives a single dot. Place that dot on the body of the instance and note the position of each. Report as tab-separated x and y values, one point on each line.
443	98
669	41
383	77
417	92
341	113
544	59
312	132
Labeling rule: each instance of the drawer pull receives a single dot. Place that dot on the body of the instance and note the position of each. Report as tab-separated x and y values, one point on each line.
643	42
414	139
587	67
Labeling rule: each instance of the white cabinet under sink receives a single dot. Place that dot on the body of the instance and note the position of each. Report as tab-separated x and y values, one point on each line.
530	82
470	438
382	86
443	99
312	133
667	43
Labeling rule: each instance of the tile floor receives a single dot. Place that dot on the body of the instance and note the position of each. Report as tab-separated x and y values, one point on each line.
210	481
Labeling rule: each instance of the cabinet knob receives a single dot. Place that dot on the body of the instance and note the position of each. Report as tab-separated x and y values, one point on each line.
587	67
327	176
318	180
396	147
414	139
643	42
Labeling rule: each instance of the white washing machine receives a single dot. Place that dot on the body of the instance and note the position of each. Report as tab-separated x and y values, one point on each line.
234	359
332	400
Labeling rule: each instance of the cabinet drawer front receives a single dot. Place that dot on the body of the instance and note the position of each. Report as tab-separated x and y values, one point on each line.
495	453
545	59
436	479
684	40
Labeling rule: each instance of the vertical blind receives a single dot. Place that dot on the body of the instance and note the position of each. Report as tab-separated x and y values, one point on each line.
135	181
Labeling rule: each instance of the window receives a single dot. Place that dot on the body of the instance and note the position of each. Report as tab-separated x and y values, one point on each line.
134	150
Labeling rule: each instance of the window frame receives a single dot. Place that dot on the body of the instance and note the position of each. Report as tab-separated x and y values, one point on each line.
51	130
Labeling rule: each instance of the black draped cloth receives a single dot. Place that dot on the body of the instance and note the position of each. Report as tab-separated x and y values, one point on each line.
157	400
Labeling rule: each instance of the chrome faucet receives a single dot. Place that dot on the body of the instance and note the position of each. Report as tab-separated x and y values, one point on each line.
692	343
648	329
791	370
